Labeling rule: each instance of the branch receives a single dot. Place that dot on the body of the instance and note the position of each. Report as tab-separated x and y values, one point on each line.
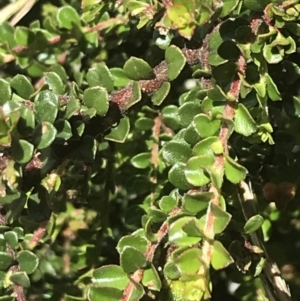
275	287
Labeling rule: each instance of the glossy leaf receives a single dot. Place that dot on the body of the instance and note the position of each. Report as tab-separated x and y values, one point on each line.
234	172
67	17
253	223
110	276
174	152
22	85
243	122
220	257
104	294
44	135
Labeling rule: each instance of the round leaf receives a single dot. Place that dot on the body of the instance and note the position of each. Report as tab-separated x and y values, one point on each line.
22	151
67	17
22	85
177	176
28	261
132	259
20	278
175	151
54	82
137	69
97	98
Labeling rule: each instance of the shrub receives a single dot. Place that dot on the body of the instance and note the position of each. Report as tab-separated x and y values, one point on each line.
149	150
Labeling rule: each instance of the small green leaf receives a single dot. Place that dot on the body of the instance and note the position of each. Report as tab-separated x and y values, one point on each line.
22	151
220	258
196	202
97	98
23	36
20	278
5	91
175	60
151	279
104	294
253	223
167	204
28	261
137	69
178	236
188	261
134	241
177	176
195	175
6	261
221	220
234	172
7	34
119	133
142	160
243	122
144	124
204	126
100	76
272	89
132	259
72	107
64	129
22	85
46	106
54	82
229	51
44	135
187	112
160	95
171	271
272	54
175	151
12	239
136	95
224	72
110	276
119	76
67	17
228	7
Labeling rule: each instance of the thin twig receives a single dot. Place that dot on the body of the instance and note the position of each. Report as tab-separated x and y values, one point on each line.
275	287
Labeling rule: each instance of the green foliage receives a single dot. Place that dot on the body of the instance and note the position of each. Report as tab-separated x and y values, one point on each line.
149	150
